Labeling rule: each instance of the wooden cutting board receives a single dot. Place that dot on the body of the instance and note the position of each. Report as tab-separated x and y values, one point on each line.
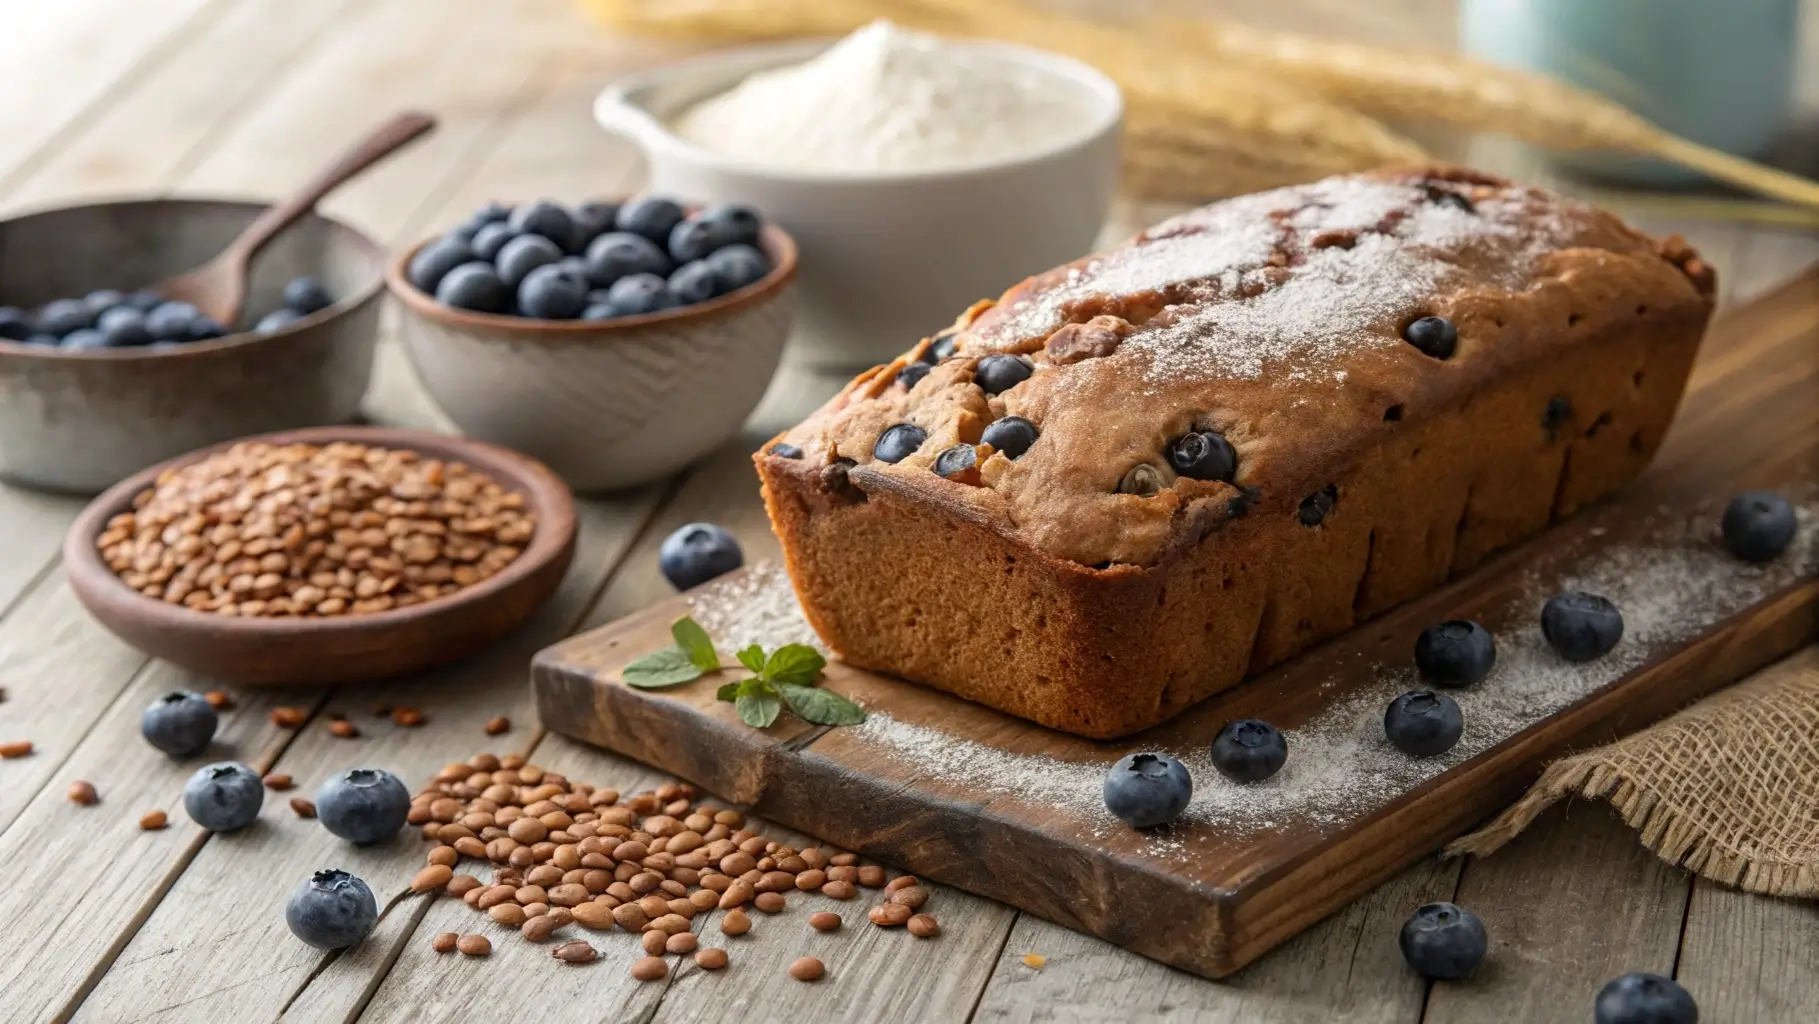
1009	810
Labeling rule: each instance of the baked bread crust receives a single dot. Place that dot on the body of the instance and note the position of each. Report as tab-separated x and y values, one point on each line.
1074	588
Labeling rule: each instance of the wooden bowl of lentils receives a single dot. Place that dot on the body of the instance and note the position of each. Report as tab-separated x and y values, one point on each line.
325	555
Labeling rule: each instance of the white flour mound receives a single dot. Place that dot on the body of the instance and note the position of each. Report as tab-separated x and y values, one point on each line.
884	99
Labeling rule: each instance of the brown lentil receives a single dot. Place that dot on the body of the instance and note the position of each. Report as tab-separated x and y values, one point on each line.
839	890
735	923
824	921
650	969
871	876
408	718
498	724
278	782
811	880
152	820
681	942
653	941
16	748
461	885
923	926
303	808
474	945
445	942
807	969
220	700
911	896
889	915
289	718
509	914
769	902
710	958
901	881
432	878
314	530
540	927
83	793
343	728
574	951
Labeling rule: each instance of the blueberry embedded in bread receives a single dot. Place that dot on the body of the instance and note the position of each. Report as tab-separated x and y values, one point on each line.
899	442
958	462
786	451
942	347
1011	435
1447	197
1433	335
911	373
1203	455
1315	506
1000	373
1559	409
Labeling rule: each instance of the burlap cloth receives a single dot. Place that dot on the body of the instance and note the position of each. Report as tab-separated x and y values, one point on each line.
1727	788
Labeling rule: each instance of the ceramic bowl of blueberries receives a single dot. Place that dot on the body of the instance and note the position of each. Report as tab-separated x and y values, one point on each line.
100	379
617	342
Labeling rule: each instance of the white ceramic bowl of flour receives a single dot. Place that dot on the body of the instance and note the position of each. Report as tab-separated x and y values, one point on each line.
891	255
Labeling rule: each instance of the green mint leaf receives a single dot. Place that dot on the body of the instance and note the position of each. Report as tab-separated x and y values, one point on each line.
695	642
758	705
727	691
822	707
667	667
794	663
753	658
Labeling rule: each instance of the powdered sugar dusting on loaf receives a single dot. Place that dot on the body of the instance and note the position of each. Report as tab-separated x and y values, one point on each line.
1340	767
757	606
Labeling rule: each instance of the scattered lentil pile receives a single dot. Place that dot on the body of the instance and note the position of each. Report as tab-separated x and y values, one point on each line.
565	853
315	530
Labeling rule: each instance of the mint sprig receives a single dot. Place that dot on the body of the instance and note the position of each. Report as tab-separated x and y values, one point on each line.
781	678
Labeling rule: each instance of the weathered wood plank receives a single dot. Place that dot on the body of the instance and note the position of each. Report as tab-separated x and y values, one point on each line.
1749	958
32	525
1346	968
1572	903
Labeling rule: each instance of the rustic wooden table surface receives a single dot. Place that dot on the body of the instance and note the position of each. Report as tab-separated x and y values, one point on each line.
106	922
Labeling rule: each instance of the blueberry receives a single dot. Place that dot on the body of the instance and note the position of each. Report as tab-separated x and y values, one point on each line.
124	327
693	239
592	219
491	213
180	723
490	239
1443	941
366	805
85	340
617	254
433	262
550	294
899	442
694	282
739	265
546	218
956	460
15	323
1554	415
474	286
598	311
277	320
42	339
103	299
1000	373
1581	626
735	224
1455	653
306	295
1758	525
1316	506
912	374
1144	790
224	796
1643	998
524	254
1446	197
1433	335
639	293
575	269
1011	435
786	451
697	553
1203	455
1423	723
144	300
205	327
65	316
171	321
651	216
465	231
331	910
1249	751
942	348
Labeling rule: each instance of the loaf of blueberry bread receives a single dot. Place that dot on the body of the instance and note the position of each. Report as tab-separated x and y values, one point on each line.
1133	480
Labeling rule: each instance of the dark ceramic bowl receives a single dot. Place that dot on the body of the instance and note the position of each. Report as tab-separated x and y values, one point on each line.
81	421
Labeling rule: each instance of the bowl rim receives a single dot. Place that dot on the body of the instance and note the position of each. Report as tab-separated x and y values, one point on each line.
773	241
347	304
619	109
547	496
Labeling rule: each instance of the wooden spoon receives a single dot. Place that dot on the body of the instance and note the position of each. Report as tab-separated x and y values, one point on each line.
218	287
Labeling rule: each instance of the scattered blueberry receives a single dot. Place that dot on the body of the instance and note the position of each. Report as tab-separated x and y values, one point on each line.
1643	998
786	451
180	723
365	805
103	299
1249	751
1455	653
1443	941
433	262
695	282
15	323
739	265
331	910
694	238
1145	790
1581	626
999	373
913	373
474	286
544	217
306	295
277	320
549	293
1423	723
898	442
956	460
651	216
84	340
224	796
1203	455
1433	335
1758	525
697	553
1011	435
490	239
171	321
639	293
124	327
618	254
64	316
524	254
